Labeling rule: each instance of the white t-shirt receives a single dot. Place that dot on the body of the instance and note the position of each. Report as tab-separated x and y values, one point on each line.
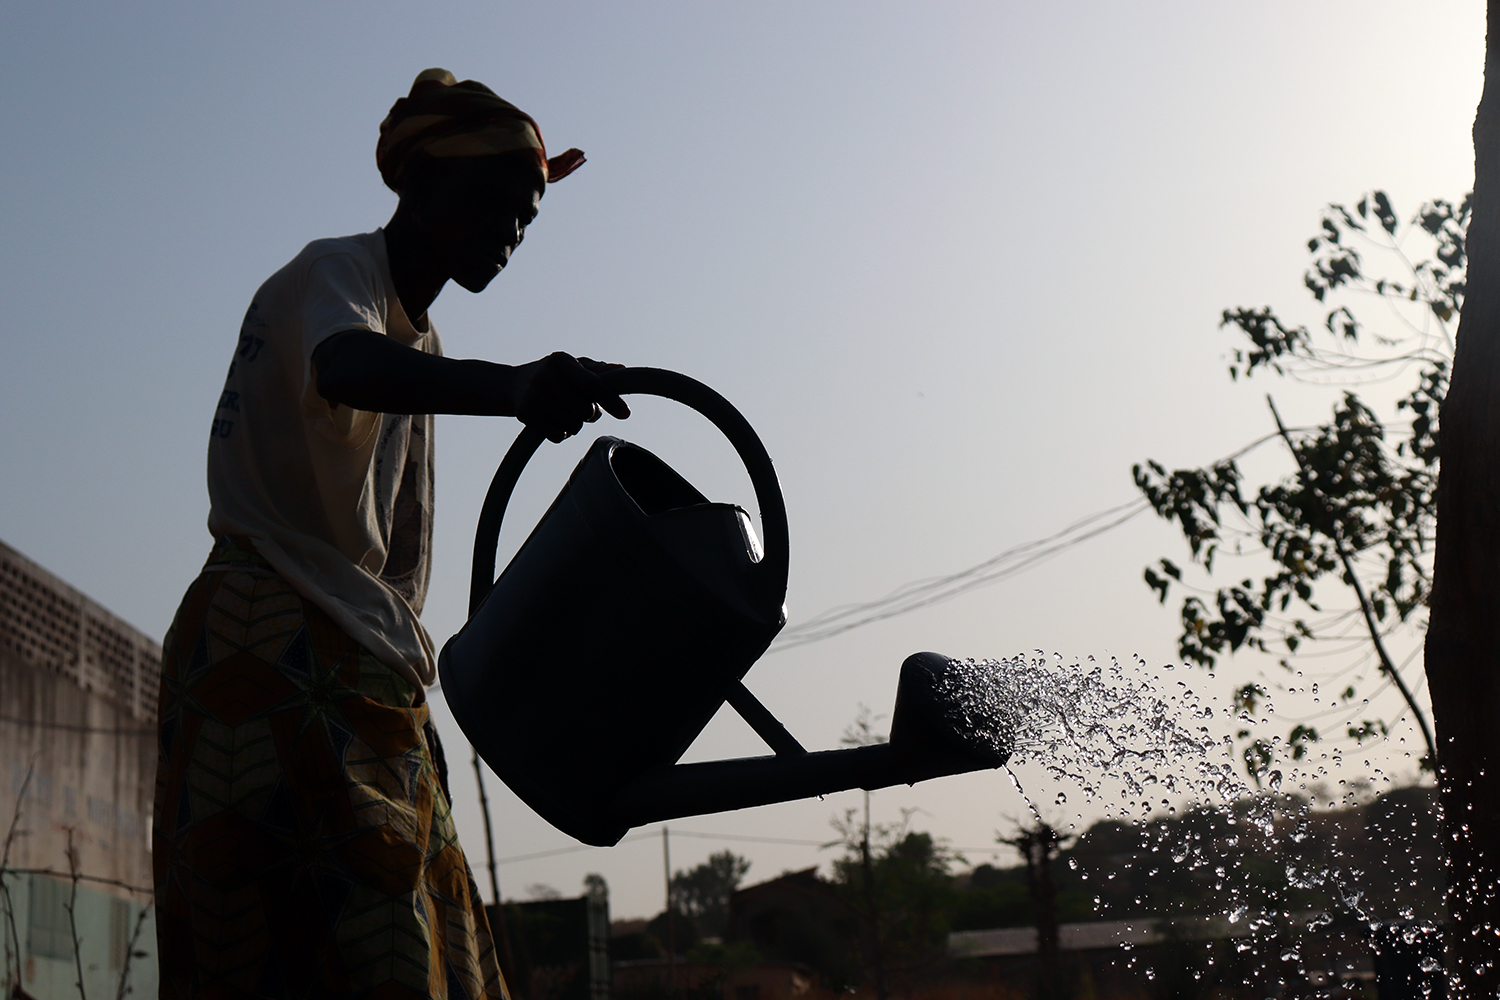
338	500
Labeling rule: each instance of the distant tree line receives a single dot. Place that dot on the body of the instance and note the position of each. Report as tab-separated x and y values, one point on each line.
1271	855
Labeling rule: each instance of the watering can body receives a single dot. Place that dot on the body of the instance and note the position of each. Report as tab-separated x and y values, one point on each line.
628	618
613	636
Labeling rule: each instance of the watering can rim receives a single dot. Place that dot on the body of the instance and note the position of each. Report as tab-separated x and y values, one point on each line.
772	569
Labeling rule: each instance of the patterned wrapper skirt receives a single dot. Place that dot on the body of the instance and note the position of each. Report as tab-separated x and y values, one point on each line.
302	841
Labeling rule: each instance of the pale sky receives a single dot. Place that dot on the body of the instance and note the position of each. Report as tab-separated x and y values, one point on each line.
961	265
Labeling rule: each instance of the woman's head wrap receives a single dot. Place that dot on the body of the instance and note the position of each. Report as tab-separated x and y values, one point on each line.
442	118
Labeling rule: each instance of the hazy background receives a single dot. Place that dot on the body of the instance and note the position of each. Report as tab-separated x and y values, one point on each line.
960	264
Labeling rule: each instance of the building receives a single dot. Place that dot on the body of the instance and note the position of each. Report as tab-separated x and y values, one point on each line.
554	949
78	690
1127	957
797	919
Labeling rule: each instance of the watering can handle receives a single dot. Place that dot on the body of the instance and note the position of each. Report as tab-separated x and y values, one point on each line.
669	385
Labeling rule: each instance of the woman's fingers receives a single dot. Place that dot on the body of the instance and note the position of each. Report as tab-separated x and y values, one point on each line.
589	385
566	393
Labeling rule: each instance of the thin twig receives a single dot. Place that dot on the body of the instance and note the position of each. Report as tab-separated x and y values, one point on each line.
15	817
12	957
73	916
1387	667
13	940
135	936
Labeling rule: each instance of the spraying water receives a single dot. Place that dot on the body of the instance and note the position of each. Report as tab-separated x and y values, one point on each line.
1082	722
1139	743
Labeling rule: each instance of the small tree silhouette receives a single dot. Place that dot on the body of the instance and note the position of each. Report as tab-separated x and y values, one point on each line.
1039	844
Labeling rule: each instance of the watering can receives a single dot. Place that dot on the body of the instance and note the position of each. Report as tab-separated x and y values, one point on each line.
627	620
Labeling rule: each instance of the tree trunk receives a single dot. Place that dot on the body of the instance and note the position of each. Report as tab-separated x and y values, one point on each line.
1039	844
1463	638
1044	905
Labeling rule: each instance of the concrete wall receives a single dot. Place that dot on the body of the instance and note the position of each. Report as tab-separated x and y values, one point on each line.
78	693
106	923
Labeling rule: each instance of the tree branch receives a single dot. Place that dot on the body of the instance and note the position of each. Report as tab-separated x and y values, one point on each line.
1386	665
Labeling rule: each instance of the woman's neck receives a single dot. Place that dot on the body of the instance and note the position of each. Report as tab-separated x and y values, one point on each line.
417	281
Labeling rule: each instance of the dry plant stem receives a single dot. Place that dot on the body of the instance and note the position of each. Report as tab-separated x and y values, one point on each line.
12	956
72	915
1387	667
135	936
13	940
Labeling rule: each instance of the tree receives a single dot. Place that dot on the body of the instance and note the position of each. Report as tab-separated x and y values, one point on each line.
1463	638
1039	845
1462	643
901	887
595	886
1356	513
703	893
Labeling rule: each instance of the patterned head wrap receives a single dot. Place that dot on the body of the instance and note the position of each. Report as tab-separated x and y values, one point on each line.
442	118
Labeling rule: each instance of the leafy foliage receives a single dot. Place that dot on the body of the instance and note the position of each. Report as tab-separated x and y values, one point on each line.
913	895
1270	860
1364	487
703	893
1384	846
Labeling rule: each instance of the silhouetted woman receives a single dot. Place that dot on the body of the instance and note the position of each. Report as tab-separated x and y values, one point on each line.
303	841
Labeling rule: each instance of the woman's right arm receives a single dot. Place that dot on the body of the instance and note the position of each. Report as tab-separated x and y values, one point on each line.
370	371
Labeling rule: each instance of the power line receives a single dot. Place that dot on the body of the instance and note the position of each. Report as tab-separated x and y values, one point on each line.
1013	561
749	839
568	850
745	838
788	840
82	878
924	593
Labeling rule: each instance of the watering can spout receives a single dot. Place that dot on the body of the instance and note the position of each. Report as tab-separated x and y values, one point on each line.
929	739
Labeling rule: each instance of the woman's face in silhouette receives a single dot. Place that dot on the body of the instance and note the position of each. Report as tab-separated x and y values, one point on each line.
473	212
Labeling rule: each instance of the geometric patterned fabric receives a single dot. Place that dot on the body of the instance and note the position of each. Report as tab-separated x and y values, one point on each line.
303	845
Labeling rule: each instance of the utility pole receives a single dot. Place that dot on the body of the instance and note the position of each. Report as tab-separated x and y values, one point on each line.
489	832
871	909
497	926
666	864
